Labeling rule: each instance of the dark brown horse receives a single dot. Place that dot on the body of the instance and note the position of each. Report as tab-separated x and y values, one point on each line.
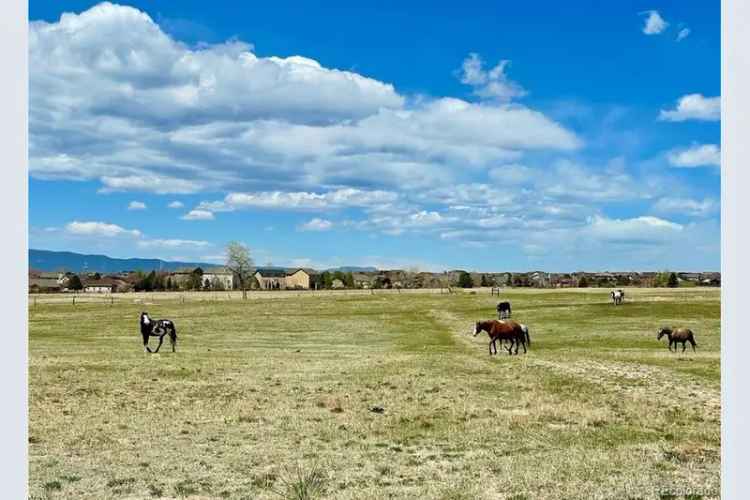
677	335
502	330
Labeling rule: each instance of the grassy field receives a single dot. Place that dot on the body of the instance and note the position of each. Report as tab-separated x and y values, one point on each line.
272	397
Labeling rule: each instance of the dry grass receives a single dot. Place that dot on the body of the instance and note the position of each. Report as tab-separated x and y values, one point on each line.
272	398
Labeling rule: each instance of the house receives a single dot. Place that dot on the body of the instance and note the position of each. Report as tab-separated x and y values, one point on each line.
278	278
98	286
219	278
299	279
539	279
337	283
57	276
362	280
44	284
694	277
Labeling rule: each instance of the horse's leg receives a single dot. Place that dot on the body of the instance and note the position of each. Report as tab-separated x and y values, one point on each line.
173	339
692	342
145	344
523	342
683	346
161	339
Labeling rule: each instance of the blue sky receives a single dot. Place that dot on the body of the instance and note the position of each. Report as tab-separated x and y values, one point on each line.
476	136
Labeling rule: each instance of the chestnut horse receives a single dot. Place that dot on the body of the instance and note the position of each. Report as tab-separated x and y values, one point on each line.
503	330
678	335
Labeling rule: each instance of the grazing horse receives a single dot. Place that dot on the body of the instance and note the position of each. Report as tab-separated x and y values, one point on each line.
677	335
503	310
502	330
157	328
618	296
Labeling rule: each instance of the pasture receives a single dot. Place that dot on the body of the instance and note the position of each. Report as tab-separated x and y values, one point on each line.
359	396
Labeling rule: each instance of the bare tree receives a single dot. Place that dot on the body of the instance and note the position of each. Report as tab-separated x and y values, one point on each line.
240	263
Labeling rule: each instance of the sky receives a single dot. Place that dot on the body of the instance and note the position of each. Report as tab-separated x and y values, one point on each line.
430	136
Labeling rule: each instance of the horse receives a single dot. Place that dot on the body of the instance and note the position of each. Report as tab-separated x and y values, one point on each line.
617	296
502	330
157	328
677	335
503	310
525	330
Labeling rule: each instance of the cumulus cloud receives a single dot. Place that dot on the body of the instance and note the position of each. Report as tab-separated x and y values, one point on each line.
316	224
176	204
150	183
698	155
682	34
687	206
635	230
136	205
116	99
512	174
693	107
493	84
173	243
198	215
301	200
654	23
99	229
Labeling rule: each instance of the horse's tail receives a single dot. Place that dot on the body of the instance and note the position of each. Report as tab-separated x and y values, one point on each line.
526	333
173	336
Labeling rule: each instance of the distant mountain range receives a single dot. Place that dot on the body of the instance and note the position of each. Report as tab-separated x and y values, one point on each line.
353	269
47	260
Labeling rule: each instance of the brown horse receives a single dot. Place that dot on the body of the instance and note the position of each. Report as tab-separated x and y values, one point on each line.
502	330
677	335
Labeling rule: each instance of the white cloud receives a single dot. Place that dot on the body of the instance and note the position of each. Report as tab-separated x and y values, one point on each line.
173	243
511	174
570	180
126	57
198	215
494	83
136	205
694	107
687	206
176	204
654	23
149	183
636	230
113	98
316	224
683	33
302	200
99	229
698	155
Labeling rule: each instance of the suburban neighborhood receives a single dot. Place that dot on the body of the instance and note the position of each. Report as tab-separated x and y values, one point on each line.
279	278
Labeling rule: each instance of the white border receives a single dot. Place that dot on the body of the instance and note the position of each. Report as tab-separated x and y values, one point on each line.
735	269
14	191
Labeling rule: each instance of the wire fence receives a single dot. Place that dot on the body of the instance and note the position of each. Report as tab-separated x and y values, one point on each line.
215	296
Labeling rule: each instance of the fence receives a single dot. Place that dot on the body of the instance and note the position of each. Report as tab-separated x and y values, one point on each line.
211	296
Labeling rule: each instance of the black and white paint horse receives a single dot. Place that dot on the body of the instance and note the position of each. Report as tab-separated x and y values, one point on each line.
157	328
503	310
617	297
